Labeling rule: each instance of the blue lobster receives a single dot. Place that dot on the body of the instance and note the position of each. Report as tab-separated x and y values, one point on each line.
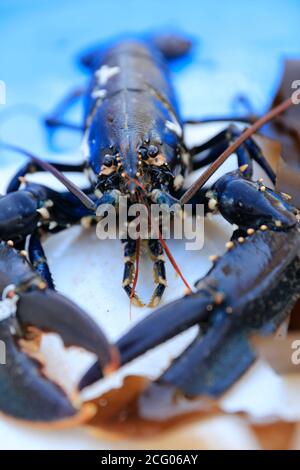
133	146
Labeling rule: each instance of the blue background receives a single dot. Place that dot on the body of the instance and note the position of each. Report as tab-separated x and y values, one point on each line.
239	47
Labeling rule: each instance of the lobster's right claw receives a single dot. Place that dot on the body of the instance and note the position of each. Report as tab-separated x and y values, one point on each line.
25	391
163	324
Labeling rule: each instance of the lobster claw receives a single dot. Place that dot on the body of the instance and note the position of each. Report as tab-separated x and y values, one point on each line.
163	324
25	391
50	311
18	214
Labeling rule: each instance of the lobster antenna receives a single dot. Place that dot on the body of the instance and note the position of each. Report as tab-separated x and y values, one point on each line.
136	274
83	198
232	148
174	264
168	253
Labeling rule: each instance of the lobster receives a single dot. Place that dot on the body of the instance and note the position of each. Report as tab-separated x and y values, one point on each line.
133	146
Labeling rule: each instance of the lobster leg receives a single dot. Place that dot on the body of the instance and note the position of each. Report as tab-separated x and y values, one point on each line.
56	118
214	147
130	253
31	167
248	117
159	271
245	153
38	259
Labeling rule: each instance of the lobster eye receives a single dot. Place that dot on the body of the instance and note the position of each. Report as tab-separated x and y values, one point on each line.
152	151
108	160
143	153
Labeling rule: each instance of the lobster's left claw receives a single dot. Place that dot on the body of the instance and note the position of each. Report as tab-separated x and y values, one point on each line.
50	311
25	391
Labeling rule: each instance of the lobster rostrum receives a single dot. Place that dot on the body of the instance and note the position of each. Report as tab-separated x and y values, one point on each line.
133	144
